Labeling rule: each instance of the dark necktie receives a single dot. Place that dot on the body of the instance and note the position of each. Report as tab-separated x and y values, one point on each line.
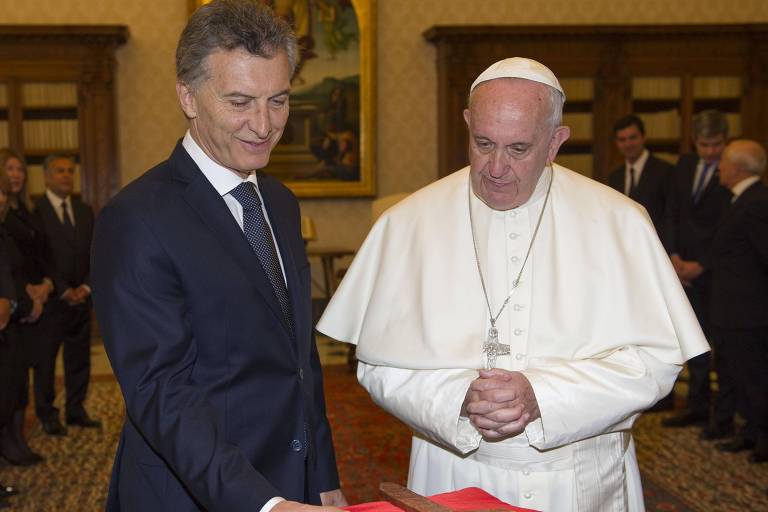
701	184
259	236
632	186
67	220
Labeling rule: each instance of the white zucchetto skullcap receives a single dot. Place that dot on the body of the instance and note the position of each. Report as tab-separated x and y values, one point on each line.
519	67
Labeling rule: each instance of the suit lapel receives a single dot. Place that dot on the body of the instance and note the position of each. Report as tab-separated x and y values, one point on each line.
211	208
281	229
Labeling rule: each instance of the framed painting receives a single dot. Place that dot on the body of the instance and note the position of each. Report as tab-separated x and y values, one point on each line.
328	146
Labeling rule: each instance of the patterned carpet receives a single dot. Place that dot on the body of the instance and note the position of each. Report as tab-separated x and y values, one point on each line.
680	473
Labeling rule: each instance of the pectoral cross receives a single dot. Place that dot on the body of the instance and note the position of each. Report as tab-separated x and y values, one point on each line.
492	348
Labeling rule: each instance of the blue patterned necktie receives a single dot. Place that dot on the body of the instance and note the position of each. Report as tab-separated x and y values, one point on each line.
701	185
259	236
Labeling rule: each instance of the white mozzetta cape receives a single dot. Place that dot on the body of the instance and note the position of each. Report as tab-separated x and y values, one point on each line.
412	297
599	325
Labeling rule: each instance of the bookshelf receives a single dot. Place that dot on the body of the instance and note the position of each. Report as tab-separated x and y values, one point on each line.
57	96
664	73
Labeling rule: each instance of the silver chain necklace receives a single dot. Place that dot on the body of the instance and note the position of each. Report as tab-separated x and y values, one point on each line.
491	347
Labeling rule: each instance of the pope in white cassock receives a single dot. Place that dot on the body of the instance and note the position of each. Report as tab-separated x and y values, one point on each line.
517	315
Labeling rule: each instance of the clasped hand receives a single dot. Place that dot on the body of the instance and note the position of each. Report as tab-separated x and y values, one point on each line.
332	501
500	404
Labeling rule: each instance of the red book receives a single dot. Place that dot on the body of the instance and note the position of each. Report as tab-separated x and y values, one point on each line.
471	498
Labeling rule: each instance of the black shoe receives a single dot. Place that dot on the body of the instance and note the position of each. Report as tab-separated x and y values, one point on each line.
12	451
685	419
737	445
7	490
84	421
53	427
715	432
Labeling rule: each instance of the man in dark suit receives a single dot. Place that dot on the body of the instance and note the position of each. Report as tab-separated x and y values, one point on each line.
696	201
643	177
738	260
202	292
68	226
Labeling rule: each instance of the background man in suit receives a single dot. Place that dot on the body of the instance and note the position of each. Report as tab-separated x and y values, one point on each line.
68	226
695	205
643	177
738	260
202	292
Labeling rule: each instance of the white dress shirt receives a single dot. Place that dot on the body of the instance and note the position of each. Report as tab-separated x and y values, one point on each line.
224	181
638	166
741	186
56	203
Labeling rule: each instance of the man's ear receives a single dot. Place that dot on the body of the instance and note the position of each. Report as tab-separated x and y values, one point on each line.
561	135
467	116
187	100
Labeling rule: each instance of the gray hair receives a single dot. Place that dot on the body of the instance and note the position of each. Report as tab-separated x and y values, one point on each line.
52	158
748	155
556	102
229	25
710	123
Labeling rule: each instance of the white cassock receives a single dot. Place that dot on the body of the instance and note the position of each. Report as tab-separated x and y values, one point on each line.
599	325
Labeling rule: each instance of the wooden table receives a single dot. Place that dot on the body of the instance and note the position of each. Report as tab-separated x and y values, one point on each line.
328	257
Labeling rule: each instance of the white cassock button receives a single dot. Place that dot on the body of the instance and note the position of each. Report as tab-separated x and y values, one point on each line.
518	332
514	259
513	236
527	495
526	472
513	214
519	356
518	307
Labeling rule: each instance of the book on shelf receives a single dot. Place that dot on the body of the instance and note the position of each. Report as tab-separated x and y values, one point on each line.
578	89
661	125
50	134
4	140
712	87
581	163
580	124
656	88
49	94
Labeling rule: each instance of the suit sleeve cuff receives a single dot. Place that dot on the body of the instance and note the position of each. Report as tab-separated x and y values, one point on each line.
271	503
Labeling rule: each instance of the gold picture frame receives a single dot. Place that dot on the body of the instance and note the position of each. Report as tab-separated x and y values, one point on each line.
328	148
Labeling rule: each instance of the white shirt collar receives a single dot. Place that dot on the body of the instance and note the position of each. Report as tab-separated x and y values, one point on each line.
56	200
222	179
639	164
743	185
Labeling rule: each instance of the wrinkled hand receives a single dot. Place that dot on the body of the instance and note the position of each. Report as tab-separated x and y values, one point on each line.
688	271
500	403
334	498
39	291
34	315
5	313
677	264
75	296
295	506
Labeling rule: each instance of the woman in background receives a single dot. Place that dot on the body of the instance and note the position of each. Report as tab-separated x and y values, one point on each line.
29	261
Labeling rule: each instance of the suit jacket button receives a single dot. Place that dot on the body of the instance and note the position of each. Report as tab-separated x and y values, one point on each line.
296	445
301	374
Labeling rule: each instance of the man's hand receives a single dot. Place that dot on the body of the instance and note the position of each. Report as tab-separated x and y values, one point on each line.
34	315
333	498
5	312
500	403
295	506
75	296
40	291
689	271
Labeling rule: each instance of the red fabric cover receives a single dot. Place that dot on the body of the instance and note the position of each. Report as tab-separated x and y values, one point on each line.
471	498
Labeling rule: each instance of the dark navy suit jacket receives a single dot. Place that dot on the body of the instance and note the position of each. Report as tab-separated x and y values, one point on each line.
651	190
738	259
225	407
